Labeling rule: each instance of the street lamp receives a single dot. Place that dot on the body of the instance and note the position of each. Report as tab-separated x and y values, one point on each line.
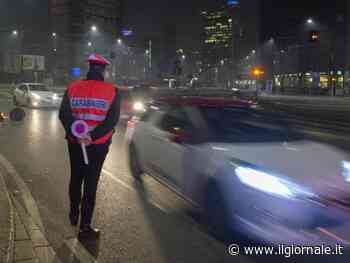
89	44
310	21
54	34
183	57
93	28
119	41
15	32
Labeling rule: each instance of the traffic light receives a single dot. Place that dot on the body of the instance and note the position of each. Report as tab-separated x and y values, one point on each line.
314	36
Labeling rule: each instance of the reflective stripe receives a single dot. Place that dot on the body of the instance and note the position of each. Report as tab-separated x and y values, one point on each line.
89	103
91	128
89	117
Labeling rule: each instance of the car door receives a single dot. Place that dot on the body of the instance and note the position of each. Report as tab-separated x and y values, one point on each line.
168	154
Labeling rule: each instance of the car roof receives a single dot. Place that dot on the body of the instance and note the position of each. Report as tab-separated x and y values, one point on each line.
204	102
33	84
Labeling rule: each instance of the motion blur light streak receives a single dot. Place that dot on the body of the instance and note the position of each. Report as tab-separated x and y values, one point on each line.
346	170
263	182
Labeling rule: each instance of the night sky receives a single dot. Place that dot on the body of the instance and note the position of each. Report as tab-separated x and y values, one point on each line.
148	16
24	12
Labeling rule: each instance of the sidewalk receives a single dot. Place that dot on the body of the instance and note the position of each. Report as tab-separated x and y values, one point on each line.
6	224
21	239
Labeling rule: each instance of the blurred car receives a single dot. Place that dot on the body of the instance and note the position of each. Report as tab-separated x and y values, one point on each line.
134	100
35	95
247	171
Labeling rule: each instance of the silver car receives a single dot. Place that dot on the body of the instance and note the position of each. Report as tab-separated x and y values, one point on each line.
35	95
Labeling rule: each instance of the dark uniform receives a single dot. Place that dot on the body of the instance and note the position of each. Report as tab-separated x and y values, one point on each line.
98	104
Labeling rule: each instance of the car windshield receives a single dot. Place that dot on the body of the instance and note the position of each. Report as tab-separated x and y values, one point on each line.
38	88
234	125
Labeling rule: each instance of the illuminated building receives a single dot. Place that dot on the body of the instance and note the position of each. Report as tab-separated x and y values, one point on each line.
218	34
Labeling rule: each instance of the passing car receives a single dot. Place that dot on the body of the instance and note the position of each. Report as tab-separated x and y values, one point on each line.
248	171
134	100
35	95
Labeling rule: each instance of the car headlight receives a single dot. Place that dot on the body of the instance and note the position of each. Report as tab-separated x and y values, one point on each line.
270	184
55	96
139	106
36	96
346	170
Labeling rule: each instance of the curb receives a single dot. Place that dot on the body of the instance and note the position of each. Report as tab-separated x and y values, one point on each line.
7	224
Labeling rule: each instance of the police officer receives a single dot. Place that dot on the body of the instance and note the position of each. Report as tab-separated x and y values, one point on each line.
98	104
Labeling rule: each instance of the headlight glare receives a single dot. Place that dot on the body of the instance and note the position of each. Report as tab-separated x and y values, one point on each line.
36	96
263	181
139	106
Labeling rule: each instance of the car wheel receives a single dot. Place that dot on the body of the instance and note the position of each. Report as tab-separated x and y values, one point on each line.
134	164
217	213
15	102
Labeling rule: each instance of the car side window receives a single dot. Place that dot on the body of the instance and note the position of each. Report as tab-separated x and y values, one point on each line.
175	118
22	88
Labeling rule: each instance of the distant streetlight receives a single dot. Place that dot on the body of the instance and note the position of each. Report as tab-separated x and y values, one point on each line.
54	34
89	44
15	32
54	50
93	28
147	51
183	57
119	41
222	62
310	21
253	51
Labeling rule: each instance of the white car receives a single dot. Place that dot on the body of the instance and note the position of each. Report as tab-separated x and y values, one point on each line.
35	95
245	169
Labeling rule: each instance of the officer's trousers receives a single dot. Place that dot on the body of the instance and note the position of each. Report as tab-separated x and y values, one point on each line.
86	178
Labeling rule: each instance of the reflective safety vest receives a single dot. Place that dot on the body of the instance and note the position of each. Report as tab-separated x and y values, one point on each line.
90	101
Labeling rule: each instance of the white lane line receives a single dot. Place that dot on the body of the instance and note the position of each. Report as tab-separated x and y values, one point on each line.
131	188
118	180
79	251
333	236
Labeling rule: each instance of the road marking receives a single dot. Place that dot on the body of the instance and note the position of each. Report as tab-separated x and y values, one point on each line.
333	236
118	180
79	251
131	188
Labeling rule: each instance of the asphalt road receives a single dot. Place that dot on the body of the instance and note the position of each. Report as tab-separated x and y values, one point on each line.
139	223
